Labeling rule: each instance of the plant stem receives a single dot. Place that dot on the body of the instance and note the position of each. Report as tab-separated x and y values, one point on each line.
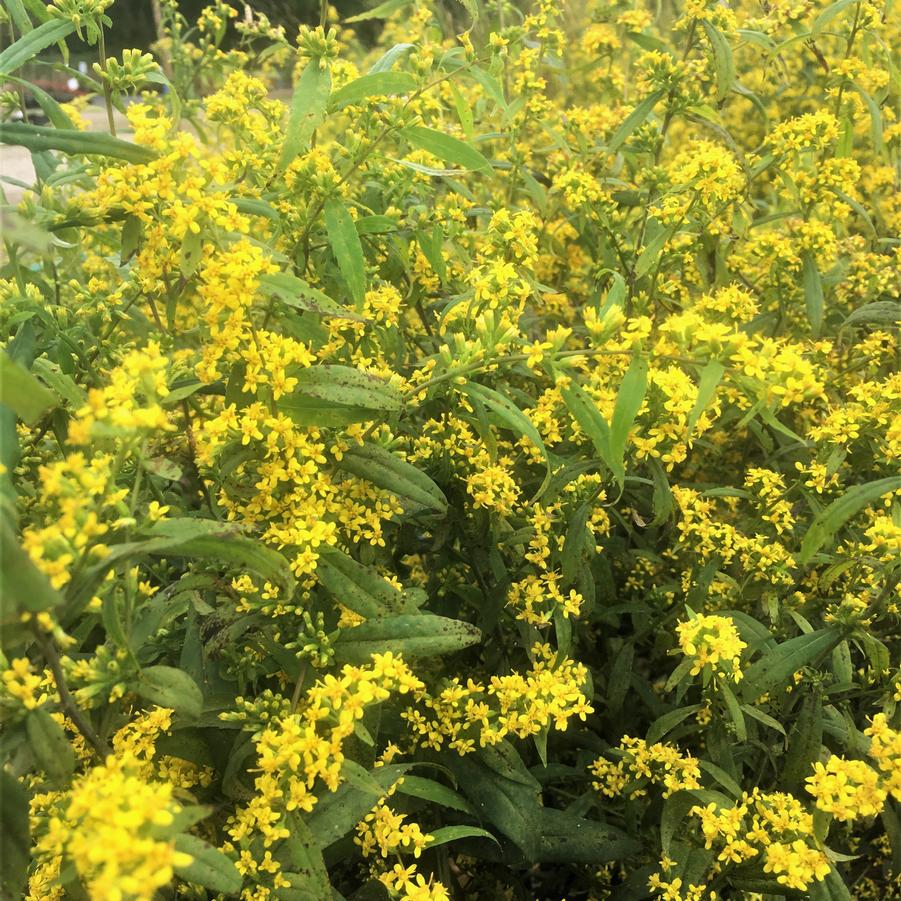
107	91
70	708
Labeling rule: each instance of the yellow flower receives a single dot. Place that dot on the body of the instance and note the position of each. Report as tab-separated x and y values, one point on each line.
712	641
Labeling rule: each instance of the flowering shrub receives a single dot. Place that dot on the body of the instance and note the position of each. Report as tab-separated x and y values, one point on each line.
472	477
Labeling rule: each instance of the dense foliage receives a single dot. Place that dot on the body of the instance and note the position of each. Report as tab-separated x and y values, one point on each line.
475	477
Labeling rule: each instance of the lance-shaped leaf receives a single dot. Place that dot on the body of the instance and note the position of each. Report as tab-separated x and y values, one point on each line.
22	392
777	665
634	119
813	293
358	587
629	399
711	375
345	243
23	587
389	471
15	837
588	416
31	44
209	867
168	686
511	806
566	838
295	292
308	106
373	84
723	61
51	748
192	538
337	813
833	517
451	150
513	418
412	635
302	862
38	138
346	387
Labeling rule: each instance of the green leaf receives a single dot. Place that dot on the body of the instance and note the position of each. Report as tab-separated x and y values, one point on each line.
374	84
22	392
651	252
210	867
346	387
386	470
52	750
666	723
18	15
348	251
828	521
429	790
677	806
308	105
357	587
509	414
409	634
38	138
451	150
302	862
723	62
359	777
191	253
709	381
382	11
585	412
777	665
804	743
827	15
387	60
454	833
31	44
566	838
15	835
170	687
512	807
620	678
762	717
295	292
324	413
813	293
629	399
23	587
888	311
338	812
633	120
53	111
735	714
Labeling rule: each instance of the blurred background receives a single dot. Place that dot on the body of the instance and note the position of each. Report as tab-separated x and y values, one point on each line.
136	29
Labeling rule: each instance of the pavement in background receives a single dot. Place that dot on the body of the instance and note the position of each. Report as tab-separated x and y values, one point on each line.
15	162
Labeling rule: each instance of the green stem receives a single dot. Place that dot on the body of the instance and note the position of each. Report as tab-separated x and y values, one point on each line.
107	91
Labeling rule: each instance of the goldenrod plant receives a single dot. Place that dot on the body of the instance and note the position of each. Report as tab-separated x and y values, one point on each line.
471	473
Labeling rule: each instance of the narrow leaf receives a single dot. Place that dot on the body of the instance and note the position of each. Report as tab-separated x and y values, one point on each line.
38	138
31	44
209	867
373	84
633	120
451	150
308	106
22	392
345	241
813	293
833	517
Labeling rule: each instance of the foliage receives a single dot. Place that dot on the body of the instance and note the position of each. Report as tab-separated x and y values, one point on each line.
473	477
